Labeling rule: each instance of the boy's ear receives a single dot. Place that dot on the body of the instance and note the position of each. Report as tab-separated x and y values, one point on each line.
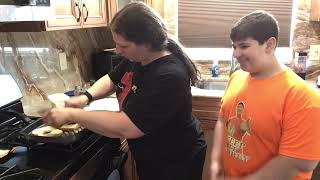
271	44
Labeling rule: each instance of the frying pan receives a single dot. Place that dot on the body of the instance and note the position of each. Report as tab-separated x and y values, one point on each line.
66	138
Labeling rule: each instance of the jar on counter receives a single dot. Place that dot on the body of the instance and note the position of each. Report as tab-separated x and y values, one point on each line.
300	66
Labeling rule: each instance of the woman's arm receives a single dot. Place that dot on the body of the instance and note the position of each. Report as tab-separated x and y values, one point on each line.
102	87
110	124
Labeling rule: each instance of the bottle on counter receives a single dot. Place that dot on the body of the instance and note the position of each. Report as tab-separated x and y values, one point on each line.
300	66
215	69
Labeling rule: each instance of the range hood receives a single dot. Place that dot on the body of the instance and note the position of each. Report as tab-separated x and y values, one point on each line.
32	10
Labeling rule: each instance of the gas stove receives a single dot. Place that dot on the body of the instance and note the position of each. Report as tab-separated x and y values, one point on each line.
43	161
81	159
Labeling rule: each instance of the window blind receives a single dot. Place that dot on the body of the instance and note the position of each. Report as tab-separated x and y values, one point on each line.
207	23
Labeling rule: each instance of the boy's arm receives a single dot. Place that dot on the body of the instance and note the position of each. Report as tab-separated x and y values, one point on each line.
215	164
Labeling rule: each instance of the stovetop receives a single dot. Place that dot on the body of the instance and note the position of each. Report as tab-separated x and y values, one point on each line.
42	161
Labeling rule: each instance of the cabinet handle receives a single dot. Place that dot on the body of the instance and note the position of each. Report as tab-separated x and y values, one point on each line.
78	18
85	19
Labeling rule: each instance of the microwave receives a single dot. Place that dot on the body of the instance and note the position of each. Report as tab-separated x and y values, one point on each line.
103	63
26	10
25	2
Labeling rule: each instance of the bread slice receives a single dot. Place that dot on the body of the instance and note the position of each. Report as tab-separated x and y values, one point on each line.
47	131
70	127
4	152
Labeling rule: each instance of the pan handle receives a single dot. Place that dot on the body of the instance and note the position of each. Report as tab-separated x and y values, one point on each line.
24	132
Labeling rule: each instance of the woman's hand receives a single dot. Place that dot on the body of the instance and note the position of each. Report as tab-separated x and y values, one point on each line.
56	117
77	101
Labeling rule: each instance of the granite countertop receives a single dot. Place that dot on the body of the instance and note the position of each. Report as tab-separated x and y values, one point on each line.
206	93
104	104
111	103
312	83
219	93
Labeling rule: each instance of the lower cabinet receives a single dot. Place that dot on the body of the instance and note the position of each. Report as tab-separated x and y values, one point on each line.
316	173
129	168
206	109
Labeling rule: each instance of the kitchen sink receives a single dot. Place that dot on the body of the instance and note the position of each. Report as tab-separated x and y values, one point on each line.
212	84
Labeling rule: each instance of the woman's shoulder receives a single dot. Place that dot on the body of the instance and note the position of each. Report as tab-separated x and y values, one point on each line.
168	67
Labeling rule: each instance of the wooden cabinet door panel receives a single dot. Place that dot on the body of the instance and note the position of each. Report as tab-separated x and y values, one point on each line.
94	13
112	9
206	109
67	15
158	5
315	10
203	114
208	130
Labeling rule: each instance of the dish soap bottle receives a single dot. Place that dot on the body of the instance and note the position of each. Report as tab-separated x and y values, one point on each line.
300	64
215	69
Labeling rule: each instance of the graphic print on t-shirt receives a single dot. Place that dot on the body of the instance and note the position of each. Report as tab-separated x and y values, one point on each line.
238	127
126	82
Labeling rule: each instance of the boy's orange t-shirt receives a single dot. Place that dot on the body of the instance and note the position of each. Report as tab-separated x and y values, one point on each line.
265	118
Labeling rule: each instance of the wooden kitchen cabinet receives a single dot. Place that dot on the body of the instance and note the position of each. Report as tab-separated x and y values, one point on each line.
158	5
315	10
206	109
115	5
71	14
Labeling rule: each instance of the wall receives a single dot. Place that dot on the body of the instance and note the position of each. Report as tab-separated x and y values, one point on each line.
32	58
305	33
171	17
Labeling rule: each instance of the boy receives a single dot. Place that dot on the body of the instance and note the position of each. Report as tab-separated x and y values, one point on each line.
277	136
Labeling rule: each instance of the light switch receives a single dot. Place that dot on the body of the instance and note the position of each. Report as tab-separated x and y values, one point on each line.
314	53
63	61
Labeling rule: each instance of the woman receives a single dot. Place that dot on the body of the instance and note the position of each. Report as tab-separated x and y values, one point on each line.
153	90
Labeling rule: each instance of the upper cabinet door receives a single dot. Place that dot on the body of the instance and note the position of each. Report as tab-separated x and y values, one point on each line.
157	5
94	13
67	13
315	10
115	5
122	3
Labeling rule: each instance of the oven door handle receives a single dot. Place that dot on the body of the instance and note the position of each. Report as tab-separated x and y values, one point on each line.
18	114
21	174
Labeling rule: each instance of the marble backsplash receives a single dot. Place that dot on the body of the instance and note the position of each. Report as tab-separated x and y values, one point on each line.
44	63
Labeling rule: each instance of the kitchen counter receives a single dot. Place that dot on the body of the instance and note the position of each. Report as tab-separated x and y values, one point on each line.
197	92
312	83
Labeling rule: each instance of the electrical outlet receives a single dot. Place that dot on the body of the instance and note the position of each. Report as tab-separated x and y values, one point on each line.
314	53
63	61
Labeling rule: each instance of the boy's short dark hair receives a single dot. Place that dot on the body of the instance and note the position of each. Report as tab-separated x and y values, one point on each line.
258	25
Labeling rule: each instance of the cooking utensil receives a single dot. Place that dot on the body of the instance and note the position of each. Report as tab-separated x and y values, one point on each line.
66	138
